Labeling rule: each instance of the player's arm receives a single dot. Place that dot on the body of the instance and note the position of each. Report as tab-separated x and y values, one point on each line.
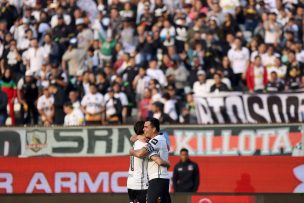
139	153
133	138
160	161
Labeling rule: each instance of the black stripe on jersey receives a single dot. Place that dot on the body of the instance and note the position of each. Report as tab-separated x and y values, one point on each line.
132	163
158	171
142	174
159	168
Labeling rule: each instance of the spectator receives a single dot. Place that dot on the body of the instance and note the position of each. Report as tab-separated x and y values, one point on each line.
293	81
216	12
277	67
107	48
73	58
45	106
272	29
60	14
61	33
102	83
73	117
27	92
128	76
179	75
155	73
59	100
144	105
227	70
274	84
8	86
147	47
3	107
127	36
218	86
185	174
158	113
84	36
293	63
12	59
123	99
8	13
140	83
114	108
35	56
92	60
239	58
269	57
188	112
169	106
74	99
256	76
200	87
92	105
51	49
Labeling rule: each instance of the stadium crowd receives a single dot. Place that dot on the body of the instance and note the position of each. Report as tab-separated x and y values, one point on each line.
106	62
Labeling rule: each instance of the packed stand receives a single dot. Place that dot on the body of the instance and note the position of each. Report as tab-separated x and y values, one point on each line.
111	62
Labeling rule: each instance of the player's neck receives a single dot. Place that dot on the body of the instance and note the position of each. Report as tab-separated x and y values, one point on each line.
155	134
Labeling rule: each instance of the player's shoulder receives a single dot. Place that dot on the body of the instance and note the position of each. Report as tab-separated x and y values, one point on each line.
160	137
139	144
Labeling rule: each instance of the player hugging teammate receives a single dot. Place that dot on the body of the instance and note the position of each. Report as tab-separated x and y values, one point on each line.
148	172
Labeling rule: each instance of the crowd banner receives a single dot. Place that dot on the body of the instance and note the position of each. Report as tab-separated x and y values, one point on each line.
237	107
232	140
255	174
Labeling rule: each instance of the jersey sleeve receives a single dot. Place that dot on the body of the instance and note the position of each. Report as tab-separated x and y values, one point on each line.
153	147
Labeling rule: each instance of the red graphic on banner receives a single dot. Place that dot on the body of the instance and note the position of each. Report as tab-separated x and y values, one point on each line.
268	174
222	199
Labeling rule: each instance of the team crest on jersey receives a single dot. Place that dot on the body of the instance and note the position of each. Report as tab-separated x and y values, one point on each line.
190	168
36	140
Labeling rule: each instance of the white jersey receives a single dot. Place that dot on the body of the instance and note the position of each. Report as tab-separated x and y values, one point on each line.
93	103
157	145
76	117
45	104
138	177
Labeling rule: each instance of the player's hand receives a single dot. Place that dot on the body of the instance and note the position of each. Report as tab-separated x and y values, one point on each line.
131	151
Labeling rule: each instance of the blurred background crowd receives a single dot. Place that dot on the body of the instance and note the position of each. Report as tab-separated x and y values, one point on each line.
76	62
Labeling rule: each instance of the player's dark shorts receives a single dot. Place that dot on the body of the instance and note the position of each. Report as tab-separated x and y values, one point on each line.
159	188
137	196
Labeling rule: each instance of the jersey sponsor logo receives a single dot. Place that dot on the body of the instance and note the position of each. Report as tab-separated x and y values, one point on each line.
154	141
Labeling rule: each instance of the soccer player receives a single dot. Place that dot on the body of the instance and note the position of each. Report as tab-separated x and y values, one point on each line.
137	183
158	175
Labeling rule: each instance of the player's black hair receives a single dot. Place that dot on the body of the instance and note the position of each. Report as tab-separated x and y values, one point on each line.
184	150
154	123
139	127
